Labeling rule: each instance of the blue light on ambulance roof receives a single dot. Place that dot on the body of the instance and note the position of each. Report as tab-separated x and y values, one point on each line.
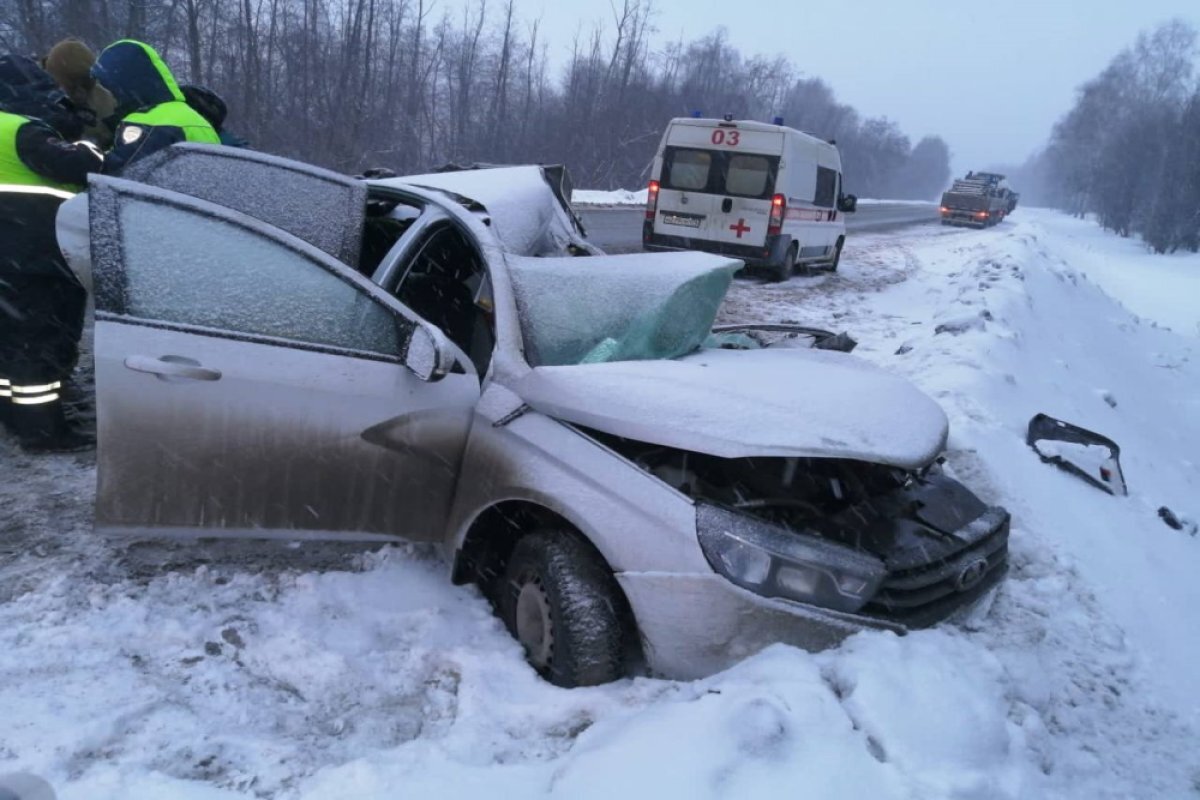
697	114
777	121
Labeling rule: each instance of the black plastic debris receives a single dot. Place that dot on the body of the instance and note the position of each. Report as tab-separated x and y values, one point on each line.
1168	516
841	342
1083	453
1176	522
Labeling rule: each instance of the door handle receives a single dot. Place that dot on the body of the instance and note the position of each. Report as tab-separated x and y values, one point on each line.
727	205
168	367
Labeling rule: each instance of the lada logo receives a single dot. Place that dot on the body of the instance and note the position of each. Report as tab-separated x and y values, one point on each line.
971	575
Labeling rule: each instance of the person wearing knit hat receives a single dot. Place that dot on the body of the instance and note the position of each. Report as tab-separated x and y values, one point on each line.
70	63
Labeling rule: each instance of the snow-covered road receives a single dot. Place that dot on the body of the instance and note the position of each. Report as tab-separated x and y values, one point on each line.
319	674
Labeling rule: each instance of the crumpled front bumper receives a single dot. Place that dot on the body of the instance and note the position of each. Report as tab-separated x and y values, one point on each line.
693	625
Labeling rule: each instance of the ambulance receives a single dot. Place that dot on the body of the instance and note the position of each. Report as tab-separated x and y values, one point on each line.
764	193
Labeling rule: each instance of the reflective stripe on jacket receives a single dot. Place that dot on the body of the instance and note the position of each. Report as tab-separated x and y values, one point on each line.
14	171
175	114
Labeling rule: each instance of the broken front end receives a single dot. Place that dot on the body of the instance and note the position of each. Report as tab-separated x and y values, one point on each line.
890	547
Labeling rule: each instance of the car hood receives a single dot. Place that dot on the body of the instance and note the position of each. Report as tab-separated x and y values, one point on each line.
732	403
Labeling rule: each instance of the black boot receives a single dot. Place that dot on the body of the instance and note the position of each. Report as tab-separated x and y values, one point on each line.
69	439
42	428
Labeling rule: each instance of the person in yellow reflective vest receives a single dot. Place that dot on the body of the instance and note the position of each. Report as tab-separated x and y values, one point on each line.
152	110
41	301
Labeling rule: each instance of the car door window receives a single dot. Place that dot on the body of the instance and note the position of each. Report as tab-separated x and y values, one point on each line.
826	194
188	268
687	170
388	219
446	284
320	207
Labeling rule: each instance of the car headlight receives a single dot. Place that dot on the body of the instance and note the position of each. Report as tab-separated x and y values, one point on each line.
775	562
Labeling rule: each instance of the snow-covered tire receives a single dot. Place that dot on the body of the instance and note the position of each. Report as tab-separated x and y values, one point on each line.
561	602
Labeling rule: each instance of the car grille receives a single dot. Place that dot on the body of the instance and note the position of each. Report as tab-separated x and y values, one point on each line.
918	596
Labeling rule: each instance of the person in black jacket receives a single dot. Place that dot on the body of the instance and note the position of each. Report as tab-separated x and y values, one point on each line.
209	105
41	301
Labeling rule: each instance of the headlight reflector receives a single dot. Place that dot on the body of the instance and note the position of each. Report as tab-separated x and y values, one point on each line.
775	562
746	561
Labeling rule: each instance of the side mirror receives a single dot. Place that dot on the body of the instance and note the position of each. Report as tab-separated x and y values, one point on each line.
848	203
430	356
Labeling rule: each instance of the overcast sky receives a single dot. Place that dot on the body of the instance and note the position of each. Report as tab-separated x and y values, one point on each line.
991	78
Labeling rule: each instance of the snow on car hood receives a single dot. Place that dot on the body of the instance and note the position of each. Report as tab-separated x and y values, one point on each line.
526	215
733	403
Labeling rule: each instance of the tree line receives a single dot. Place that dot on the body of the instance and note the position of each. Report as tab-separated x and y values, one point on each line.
402	84
1129	150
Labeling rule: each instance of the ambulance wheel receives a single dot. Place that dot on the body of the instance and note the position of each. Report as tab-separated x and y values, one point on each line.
781	272
837	254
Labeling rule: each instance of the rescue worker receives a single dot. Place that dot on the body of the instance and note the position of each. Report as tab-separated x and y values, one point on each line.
151	110
41	301
70	64
210	106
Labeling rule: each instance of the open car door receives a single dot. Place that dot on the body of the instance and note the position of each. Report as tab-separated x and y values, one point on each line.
324	208
247	384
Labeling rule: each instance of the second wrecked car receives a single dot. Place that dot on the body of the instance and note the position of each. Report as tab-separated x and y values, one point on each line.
320	357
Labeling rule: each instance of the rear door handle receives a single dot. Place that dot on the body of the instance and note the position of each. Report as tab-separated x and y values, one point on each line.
168	367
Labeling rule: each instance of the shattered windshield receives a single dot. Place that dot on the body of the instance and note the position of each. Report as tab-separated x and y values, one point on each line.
618	308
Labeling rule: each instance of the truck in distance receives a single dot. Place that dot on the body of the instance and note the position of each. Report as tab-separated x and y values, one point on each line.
979	200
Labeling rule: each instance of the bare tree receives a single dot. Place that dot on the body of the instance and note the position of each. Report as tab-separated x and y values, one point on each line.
352	84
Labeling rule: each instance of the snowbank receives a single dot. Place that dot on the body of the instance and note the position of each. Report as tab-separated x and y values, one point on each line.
1157	287
257	678
867	201
618	197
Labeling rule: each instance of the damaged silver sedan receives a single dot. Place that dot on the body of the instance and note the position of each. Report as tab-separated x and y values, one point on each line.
284	352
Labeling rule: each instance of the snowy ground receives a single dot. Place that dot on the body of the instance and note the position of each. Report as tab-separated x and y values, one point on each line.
618	197
316	674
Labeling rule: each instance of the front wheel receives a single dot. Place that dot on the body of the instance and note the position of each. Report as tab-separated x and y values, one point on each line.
563	605
837	254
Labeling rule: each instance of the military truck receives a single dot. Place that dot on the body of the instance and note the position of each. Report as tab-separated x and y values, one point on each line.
979	200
